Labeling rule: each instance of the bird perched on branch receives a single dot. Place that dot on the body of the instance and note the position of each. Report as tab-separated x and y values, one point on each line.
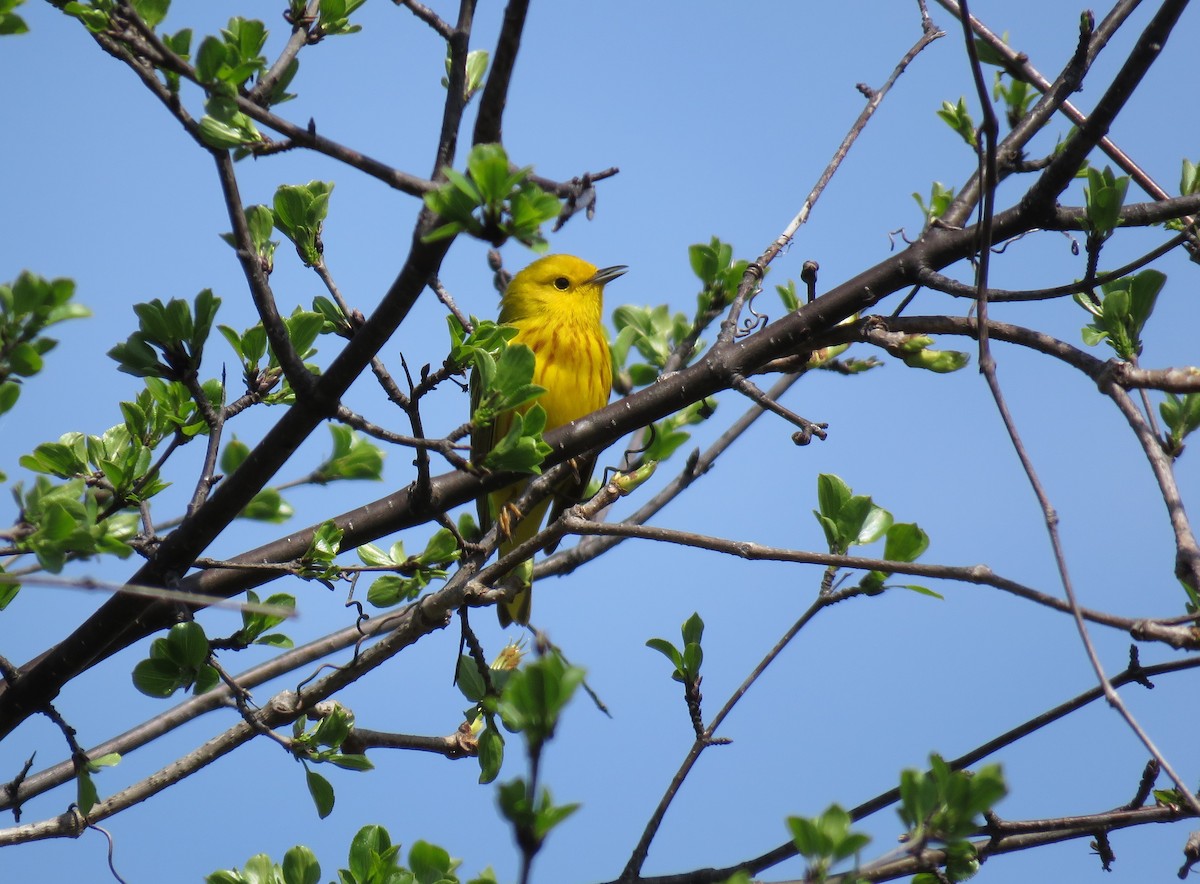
555	304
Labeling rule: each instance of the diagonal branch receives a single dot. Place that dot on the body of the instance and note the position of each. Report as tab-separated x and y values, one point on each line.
488	123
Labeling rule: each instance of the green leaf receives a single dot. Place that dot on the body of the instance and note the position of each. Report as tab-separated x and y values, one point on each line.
369	844
354	457
521	449
267	506
209	58
668	650
876	524
469	680
9	393
86	795
441	549
832	494
187	644
12	24
958	118
321	792
157	678
1104	197
389	590
300	866
906	542
491	754
8	592
152	11
95	20
429	863
234	454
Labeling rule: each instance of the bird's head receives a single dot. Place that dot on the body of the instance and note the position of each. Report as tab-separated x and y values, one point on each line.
560	284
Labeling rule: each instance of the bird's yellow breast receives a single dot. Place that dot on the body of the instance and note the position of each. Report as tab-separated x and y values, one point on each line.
572	363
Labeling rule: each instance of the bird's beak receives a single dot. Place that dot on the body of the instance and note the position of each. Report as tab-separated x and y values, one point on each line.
608	274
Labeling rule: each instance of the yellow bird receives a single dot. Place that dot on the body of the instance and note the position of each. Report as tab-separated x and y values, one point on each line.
555	304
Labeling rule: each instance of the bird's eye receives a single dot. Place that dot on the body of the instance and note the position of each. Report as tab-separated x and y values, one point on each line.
562	283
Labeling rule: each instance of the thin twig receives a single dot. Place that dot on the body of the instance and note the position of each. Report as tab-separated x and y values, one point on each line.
637	859
488	122
980	575
301	37
1019	66
427	15
875	97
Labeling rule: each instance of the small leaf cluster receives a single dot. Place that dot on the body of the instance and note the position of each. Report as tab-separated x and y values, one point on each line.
1181	414
9	589
93	15
63	521
667	435
114	462
414	573
178	660
521	449
233	58
917	352
299	213
1189	183
1103	196
721	275
850	519
958	118
169	342
322	744
688	658
223	66
626	482
477	63
180	42
317	563
534	697
789	296
302	327
482	714
502	383
825	840
527	701
10	22
530	704
256	624
491	202
531	818
654	332
260	222
86	794
945	805
1122	312
28	306
373	859
940	198
166	408
1016	95
485	336
333	16
354	456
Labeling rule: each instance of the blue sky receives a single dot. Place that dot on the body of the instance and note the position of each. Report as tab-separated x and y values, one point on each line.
720	116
